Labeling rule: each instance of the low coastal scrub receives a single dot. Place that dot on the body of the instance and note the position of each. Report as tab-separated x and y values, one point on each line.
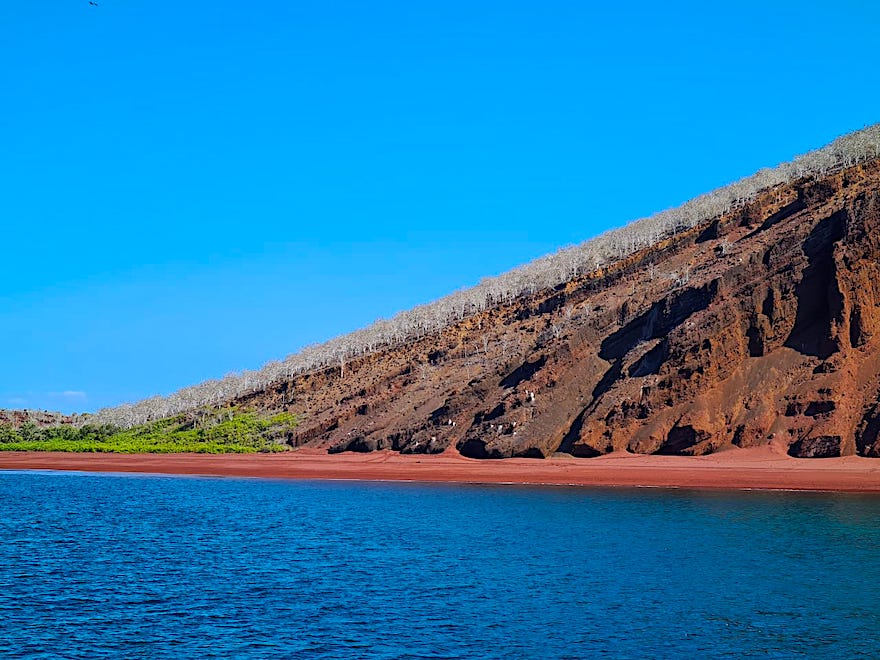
206	432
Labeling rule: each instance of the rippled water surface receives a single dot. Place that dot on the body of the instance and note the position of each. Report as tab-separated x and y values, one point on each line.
162	567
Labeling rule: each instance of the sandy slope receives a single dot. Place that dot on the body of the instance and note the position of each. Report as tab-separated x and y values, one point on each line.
759	468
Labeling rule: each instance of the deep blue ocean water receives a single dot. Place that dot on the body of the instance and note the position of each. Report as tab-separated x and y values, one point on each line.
96	566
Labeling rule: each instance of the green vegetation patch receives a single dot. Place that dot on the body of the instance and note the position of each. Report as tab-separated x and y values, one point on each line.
206	432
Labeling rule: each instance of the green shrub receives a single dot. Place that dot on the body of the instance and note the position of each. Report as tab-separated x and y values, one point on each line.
206	432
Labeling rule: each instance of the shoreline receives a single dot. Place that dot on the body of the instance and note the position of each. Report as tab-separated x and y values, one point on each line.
763	468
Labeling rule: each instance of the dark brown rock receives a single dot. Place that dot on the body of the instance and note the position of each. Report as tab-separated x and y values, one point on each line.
824	446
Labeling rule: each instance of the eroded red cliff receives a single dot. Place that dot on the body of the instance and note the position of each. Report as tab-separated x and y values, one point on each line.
756	327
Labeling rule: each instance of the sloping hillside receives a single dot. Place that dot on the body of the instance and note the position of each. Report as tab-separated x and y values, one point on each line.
747	316
756	326
39	418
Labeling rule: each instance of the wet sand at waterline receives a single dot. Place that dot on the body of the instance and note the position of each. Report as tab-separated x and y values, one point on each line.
756	468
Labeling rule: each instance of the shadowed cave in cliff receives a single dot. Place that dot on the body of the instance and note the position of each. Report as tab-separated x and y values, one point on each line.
819	300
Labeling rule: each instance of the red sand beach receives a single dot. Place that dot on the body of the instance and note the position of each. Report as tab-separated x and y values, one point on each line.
758	468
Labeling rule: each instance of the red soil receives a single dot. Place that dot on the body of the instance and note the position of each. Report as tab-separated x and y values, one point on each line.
756	468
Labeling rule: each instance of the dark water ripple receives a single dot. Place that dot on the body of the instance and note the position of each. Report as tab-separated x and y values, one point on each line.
96	566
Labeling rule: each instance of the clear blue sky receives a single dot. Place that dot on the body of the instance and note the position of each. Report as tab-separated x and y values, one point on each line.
192	188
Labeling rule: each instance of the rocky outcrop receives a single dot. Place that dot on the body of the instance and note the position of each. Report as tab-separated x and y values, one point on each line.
758	326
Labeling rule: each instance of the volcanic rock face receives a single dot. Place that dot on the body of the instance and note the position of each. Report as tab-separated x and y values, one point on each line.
759	326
